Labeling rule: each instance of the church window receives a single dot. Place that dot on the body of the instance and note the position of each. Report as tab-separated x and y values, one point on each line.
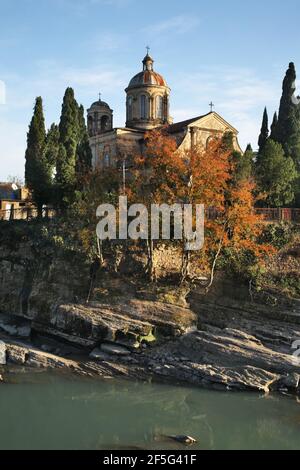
144	107
129	108
159	107
96	120
106	160
90	125
104	123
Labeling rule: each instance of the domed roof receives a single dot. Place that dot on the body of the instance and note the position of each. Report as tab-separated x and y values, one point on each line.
147	76
100	103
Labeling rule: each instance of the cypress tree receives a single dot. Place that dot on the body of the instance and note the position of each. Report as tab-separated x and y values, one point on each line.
52	144
287	109
264	133
274	127
68	141
84	153
38	170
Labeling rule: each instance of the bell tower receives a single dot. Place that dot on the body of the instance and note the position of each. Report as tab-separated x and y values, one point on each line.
148	98
100	118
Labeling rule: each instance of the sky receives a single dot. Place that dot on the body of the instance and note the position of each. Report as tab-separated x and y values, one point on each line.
230	52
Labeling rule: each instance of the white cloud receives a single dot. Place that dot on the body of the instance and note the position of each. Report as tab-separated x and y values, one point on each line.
178	24
239	94
107	41
2	92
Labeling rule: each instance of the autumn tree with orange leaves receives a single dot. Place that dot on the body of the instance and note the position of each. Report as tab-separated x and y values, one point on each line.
159	178
201	176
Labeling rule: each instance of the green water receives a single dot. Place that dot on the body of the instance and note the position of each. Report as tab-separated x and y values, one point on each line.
50	411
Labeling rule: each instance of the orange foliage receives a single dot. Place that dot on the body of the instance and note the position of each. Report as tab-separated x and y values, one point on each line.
163	175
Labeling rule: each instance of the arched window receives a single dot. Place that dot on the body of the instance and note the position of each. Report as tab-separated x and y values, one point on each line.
159	107
144	107
96	121
210	140
104	123
90	125
106	160
129	108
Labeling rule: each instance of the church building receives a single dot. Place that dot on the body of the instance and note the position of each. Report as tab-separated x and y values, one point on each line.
147	108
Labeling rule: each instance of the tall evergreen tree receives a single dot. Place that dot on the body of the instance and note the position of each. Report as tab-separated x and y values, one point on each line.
68	141
84	153
287	109
246	166
264	132
274	127
38	169
52	144
276	175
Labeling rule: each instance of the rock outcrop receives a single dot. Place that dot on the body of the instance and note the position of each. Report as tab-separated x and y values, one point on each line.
229	338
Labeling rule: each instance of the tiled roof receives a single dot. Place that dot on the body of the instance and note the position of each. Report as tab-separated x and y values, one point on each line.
147	77
180	126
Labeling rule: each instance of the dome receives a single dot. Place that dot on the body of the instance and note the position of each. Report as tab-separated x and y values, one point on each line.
99	103
147	77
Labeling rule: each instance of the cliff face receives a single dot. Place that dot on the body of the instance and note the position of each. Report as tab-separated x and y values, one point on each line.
49	286
33	282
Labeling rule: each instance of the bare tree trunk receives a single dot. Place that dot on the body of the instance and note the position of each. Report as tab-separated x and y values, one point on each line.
99	249
118	255
220	246
186	261
150	270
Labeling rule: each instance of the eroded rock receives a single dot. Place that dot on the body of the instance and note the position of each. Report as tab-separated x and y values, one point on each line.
115	349
15	326
2	353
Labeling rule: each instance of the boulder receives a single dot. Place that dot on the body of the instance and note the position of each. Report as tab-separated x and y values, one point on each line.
289	382
15	326
126	322
98	355
115	349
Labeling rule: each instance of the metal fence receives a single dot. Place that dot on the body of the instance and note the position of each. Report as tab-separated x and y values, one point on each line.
25	213
269	215
279	215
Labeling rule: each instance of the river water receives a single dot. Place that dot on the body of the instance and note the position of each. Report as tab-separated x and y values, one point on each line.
43	410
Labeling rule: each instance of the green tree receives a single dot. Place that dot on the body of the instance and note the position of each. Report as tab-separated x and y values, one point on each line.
68	141
52	145
276	175
264	132
287	131
244	164
38	168
274	127
285	126
84	153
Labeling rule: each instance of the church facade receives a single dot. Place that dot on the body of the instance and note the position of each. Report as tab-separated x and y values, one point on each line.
147	108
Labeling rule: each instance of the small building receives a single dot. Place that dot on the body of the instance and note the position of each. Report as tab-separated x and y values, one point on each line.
14	201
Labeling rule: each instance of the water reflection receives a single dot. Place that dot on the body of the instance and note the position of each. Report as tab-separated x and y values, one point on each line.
50	411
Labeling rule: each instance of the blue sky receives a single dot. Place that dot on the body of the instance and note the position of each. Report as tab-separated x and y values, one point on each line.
232	52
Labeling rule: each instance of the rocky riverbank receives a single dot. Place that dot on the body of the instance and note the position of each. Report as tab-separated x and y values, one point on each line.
242	349
232	337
